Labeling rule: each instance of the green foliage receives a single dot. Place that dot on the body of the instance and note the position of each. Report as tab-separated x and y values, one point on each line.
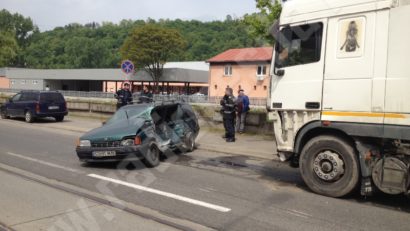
101	43
8	48
260	23
21	29
151	46
95	45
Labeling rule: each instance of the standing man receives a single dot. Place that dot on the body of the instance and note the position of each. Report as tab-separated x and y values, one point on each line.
124	96
228	113
146	95
243	109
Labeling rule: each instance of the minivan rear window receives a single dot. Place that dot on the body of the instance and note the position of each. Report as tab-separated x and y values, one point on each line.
51	97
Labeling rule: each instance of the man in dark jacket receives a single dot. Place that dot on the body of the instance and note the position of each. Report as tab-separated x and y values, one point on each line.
124	96
228	113
146	95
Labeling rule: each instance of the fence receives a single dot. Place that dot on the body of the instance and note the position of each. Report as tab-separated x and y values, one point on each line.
186	98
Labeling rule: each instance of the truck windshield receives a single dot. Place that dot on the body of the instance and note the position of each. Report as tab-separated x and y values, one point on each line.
299	45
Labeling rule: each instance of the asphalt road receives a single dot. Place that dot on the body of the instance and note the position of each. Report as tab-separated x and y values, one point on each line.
211	189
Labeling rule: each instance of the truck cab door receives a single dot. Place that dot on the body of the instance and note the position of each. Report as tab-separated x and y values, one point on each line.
298	66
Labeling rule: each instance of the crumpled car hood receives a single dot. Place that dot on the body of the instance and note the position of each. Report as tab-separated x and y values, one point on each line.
115	131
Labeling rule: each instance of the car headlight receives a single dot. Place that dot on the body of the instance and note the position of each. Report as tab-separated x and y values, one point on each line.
127	142
85	143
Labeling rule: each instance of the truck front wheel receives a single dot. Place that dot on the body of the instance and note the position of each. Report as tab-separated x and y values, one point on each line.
329	166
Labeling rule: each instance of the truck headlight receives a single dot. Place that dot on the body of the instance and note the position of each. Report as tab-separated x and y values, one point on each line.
127	142
85	143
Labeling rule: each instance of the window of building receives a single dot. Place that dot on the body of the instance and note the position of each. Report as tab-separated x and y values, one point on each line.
35	82
299	45
261	70
23	81
228	70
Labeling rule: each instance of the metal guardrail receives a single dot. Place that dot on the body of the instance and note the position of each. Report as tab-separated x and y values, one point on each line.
185	98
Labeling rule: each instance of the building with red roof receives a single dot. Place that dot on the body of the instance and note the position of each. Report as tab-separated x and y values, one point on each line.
244	68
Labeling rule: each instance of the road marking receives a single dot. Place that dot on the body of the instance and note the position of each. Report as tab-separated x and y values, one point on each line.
301	213
162	193
44	162
298	214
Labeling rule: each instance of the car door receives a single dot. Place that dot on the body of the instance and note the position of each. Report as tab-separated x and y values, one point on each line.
12	106
189	119
22	104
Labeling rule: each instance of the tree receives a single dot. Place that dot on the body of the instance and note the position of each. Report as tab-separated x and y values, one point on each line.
260	23
8	48
22	28
151	46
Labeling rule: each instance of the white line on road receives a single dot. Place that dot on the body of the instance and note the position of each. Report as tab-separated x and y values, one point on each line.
161	193
44	162
298	214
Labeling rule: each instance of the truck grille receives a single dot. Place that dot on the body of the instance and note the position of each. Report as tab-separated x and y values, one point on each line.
107	144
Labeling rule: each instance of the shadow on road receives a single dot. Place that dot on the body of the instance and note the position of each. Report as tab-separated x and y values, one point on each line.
42	120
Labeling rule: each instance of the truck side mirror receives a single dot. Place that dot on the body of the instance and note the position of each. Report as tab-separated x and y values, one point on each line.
278	72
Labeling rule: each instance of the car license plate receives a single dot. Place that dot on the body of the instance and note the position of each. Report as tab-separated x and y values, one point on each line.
53	108
104	154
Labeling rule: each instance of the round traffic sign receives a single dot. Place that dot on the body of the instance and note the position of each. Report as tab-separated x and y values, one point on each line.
127	67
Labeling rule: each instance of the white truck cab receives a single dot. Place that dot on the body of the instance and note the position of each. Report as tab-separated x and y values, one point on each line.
340	94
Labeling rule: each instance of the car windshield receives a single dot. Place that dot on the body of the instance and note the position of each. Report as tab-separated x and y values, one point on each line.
129	113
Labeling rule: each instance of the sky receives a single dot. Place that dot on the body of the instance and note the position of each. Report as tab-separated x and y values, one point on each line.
48	14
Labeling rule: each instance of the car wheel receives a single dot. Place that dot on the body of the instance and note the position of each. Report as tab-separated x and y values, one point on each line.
329	166
190	143
29	117
152	158
3	114
59	118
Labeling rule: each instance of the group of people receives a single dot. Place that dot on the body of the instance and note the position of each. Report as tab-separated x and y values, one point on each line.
125	97
234	111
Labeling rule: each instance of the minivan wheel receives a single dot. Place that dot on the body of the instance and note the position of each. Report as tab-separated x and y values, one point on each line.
29	117
152	158
3	114
59	118
329	166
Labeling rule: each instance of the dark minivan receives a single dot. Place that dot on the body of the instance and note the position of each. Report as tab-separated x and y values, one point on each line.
35	104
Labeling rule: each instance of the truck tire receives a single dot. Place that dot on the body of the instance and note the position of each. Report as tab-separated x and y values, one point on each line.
329	166
152	158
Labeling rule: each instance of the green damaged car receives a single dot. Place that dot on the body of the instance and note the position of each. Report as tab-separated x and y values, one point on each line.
141	132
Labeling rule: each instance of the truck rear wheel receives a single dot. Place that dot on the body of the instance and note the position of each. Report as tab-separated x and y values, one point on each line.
329	166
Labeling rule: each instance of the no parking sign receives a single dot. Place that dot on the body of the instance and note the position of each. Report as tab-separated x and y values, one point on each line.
127	67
